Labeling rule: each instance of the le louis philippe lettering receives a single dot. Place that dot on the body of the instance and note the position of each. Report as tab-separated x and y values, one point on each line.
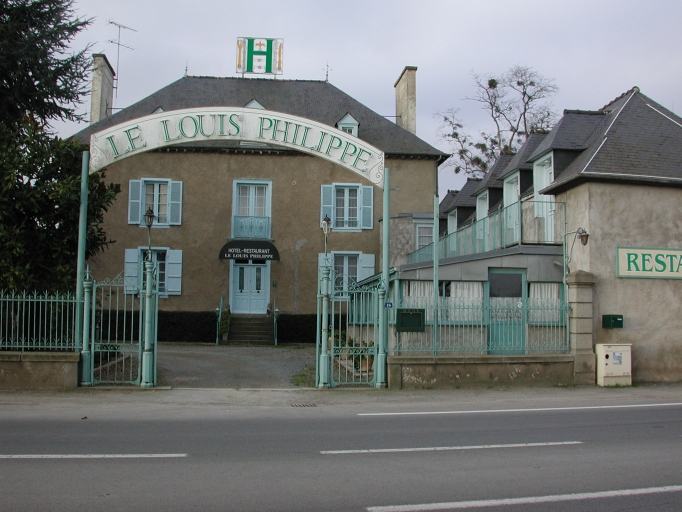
242	126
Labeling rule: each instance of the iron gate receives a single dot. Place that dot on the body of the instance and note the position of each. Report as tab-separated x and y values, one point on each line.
353	337
117	331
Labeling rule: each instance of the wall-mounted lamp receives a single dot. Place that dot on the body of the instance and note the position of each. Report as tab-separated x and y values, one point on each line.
580	234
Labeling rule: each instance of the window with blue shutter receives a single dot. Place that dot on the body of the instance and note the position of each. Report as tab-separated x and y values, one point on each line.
350	206
168	264
163	196
131	271
134	201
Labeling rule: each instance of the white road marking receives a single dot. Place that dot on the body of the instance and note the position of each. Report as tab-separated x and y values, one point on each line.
445	448
98	456
486	411
526	501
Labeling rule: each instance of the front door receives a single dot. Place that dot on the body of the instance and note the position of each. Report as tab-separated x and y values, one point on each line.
249	289
506	326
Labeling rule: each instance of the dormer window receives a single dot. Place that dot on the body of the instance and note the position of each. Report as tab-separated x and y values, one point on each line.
254	104
349	125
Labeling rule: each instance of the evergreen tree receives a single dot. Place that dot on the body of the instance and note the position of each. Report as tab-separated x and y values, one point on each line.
39	172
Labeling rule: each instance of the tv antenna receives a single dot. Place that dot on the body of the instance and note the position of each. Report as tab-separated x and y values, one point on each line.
327	70
118	44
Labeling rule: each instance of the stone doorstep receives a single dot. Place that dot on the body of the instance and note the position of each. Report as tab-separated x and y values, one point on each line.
521	359
57	357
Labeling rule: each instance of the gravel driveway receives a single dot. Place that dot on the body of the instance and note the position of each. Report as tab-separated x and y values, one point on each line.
199	365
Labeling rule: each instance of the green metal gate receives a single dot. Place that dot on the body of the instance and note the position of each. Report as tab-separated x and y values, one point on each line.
353	331
117	330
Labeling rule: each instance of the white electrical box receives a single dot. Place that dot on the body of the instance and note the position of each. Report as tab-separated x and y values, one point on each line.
614	364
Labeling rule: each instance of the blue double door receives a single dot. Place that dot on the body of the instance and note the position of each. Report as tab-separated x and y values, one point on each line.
506	298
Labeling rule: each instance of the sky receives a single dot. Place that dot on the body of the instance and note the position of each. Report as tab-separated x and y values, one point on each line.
594	50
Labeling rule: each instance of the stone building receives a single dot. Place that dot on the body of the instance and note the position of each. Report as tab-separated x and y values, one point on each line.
217	189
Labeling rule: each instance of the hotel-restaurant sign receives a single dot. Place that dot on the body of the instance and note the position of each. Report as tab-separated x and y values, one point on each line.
649	263
236	124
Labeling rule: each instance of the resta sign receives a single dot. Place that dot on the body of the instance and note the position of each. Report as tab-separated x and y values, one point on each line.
240	124
649	263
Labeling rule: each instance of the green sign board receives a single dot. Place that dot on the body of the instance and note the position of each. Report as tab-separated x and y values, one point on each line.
649	263
410	320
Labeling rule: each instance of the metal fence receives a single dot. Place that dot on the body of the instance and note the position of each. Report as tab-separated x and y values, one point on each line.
37	321
526	222
476	327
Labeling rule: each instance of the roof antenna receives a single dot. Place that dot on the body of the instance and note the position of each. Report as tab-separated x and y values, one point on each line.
117	42
328	69
186	66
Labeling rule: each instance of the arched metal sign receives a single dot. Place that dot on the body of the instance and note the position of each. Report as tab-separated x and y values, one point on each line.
239	124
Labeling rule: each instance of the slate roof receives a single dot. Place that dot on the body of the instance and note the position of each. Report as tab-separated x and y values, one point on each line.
520	160
316	100
634	139
465	198
491	178
446	204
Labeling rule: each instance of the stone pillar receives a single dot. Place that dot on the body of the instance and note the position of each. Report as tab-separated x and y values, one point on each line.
580	294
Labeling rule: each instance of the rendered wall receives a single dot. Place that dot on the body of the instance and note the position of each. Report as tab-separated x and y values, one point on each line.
207	212
638	216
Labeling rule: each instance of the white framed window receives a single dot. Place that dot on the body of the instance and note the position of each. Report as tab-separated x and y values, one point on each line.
452	221
512	190
251	209
350	206
348	267
424	235
348	124
168	263
163	196
482	206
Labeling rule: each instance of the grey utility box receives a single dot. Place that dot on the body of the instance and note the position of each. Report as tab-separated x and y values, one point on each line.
614	364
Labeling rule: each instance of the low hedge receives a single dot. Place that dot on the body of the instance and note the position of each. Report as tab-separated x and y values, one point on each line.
296	328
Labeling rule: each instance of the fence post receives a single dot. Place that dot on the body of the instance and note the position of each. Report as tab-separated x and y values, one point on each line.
580	298
147	354
324	356
86	355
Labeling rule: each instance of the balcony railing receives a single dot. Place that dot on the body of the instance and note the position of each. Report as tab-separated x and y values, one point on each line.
251	227
524	222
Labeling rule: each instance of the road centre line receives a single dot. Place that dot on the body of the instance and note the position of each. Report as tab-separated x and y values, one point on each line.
98	456
527	500
539	409
446	448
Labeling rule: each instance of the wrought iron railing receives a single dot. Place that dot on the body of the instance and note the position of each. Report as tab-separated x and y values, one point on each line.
251	227
37	321
477	327
524	222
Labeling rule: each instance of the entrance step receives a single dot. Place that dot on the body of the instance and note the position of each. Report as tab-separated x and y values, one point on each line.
252	330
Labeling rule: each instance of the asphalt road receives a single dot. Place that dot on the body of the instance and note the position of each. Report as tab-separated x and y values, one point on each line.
334	450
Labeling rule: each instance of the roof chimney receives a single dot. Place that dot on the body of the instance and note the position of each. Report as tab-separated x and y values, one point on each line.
406	99
102	97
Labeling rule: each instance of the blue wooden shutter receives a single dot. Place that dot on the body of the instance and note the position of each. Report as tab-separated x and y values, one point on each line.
173	272
367	207
131	271
175	203
134	201
327	203
365	266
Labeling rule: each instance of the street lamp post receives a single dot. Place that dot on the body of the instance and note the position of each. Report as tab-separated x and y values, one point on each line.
323	363
148	354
